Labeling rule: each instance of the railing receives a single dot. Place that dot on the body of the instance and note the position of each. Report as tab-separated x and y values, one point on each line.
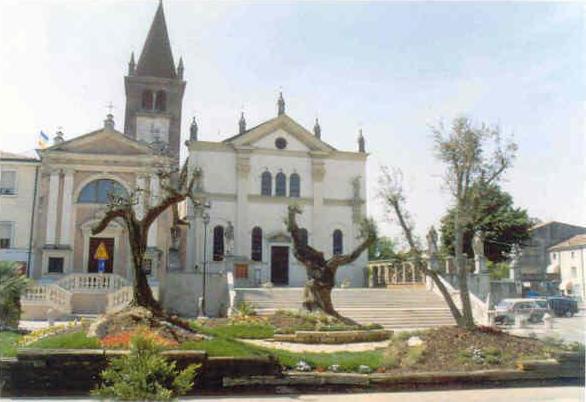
390	272
92	282
52	295
119	299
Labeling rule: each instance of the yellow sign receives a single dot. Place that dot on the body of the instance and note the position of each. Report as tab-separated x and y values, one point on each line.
101	252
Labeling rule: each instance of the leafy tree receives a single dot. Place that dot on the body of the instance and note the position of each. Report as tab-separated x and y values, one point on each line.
475	159
382	249
12	284
145	375
321	273
495	215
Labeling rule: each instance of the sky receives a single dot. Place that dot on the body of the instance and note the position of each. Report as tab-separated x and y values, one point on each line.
393	69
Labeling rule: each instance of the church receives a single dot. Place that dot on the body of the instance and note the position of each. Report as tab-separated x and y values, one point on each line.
236	237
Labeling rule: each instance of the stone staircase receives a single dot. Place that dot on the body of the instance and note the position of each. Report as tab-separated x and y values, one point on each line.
397	308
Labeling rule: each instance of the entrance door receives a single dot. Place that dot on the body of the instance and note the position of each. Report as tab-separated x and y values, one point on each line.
109	246
280	265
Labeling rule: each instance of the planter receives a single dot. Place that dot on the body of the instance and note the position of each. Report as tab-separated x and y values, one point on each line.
334	337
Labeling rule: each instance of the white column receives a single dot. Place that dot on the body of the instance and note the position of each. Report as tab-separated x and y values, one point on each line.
154	199
52	207
67	211
140	184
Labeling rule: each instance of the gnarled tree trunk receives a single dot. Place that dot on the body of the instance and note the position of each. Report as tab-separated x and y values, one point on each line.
321	273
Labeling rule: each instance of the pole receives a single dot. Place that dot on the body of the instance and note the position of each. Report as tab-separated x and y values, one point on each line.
205	244
32	228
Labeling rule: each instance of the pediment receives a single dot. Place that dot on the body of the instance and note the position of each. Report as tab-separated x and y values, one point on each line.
102	142
279	237
264	135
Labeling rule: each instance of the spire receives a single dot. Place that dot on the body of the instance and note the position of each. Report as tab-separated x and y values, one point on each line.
242	124
131	65
156	59
109	122
180	69
193	130
361	144
281	104
317	129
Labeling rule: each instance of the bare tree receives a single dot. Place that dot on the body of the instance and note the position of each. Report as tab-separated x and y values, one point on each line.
321	273
176	185
391	192
475	158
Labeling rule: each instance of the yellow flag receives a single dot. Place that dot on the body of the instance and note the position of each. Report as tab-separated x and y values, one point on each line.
101	252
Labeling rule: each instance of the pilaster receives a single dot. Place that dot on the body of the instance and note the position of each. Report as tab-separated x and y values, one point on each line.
67	211
154	199
318	172
242	175
52	207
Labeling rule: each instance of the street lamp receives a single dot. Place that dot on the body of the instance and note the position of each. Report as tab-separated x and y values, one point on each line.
206	221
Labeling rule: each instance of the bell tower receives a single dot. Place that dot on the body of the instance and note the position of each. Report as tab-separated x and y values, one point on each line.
154	91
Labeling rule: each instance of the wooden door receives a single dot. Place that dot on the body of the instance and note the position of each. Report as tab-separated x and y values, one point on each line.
93	262
280	265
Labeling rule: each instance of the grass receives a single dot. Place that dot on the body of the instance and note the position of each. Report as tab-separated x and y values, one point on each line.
8	341
243	331
72	340
348	361
220	346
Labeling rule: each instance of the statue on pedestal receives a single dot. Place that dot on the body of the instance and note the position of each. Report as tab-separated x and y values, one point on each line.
431	238
478	248
229	238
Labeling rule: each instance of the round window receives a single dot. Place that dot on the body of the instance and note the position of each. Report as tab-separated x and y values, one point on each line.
281	143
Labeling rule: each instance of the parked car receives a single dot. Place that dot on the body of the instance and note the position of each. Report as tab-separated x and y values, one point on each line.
532	309
563	306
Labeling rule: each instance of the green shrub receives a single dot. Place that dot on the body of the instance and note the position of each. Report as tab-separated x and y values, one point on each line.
13	282
144	375
392	357
413	356
244	309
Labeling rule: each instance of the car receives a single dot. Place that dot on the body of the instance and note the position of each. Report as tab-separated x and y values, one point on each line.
532	309
563	306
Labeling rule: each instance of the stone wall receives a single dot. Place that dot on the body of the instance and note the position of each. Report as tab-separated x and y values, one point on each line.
76	372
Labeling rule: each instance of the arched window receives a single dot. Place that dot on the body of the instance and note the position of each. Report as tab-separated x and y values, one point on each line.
338	242
266	184
147	99
294	186
218	243
304	236
281	185
99	191
256	244
161	101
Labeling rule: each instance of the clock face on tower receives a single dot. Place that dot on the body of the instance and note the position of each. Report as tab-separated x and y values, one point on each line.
152	128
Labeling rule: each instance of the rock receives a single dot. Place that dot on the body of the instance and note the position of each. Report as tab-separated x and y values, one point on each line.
335	368
414	341
364	369
302	366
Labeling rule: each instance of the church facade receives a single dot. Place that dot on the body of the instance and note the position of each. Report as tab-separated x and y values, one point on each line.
238	230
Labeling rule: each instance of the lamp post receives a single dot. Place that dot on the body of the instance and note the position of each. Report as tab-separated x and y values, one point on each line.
206	221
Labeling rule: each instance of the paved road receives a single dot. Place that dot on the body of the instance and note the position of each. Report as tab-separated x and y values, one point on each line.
569	329
550	394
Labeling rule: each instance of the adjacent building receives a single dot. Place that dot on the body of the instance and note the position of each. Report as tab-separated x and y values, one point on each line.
568	260
536	257
18	182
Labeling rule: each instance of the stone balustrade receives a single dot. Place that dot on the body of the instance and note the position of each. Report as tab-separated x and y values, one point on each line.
50	295
92	282
119	299
390	272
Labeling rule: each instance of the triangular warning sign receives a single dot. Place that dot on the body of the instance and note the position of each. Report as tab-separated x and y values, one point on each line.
101	252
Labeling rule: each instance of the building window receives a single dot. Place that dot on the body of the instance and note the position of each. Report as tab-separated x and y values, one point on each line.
574	272
161	101
147	100
294	186
554	256
6	230
304	236
266	184
256	244
99	191
572	255
338	242
281	185
218	243
8	182
55	265
281	143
